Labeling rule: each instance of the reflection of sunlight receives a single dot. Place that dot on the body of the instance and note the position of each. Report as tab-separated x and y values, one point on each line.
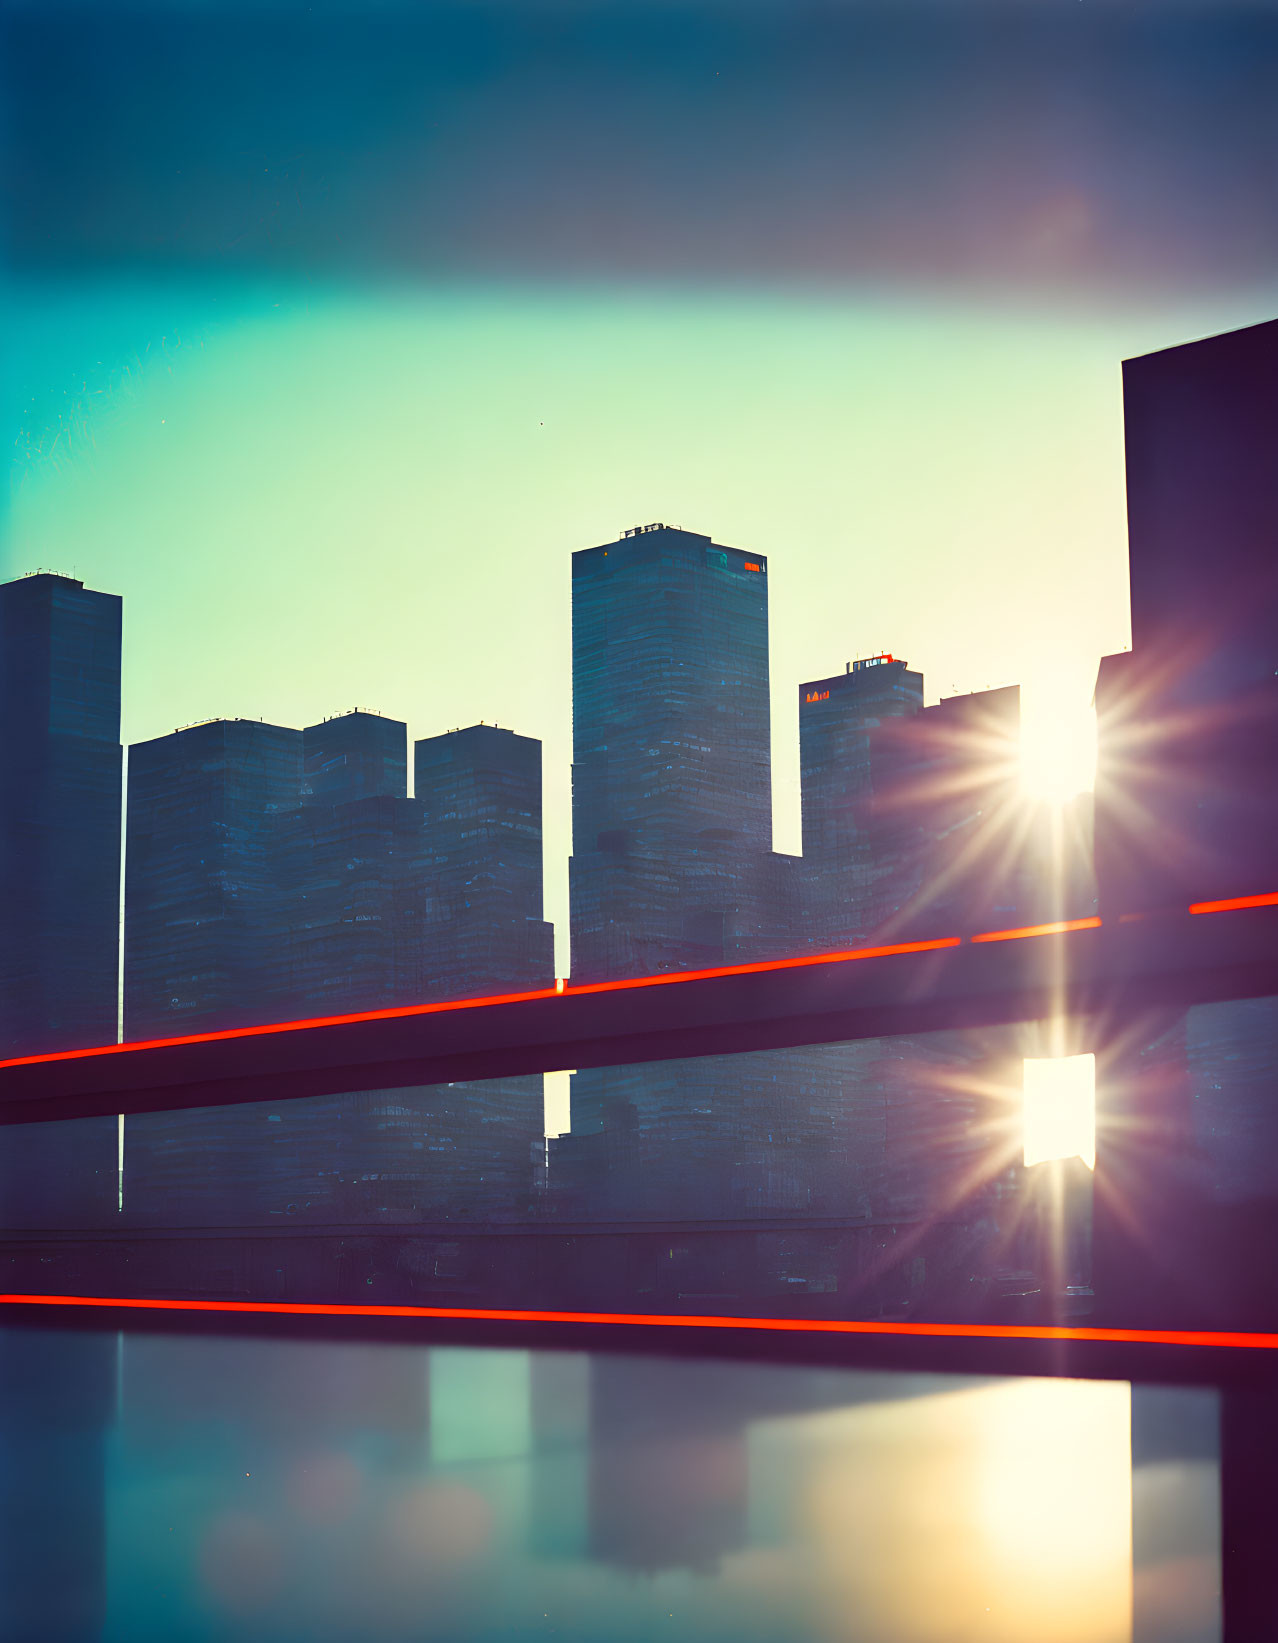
1000	1512
1058	740
1060	1109
1054	1490
557	1099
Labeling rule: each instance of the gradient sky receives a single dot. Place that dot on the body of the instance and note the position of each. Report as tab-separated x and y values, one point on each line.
329	335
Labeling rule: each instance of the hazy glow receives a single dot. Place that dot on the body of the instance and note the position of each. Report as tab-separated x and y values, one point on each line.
311	497
1001	1513
1058	737
1060	1109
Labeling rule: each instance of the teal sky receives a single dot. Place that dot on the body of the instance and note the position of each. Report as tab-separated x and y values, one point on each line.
317	498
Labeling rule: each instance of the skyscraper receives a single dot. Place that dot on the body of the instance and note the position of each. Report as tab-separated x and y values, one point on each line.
672	797
480	926
60	792
356	755
1186	797
1187	776
203	928
348	861
946	829
837	720
204	941
60	796
673	869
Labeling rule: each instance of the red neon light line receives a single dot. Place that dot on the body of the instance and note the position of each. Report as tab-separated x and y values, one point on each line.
566	990
265	1027
560	990
1235	904
817	1326
1060	928
668	976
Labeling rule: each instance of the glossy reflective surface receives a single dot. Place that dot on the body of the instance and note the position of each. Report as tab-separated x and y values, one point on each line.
168	1488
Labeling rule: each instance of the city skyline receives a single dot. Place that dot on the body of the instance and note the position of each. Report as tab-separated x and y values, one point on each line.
276	873
321	572
915	813
382	345
366	779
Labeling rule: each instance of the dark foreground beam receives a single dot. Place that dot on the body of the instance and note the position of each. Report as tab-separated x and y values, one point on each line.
984	980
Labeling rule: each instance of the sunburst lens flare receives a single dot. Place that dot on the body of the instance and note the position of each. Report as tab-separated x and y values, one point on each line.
1058	742
1060	1109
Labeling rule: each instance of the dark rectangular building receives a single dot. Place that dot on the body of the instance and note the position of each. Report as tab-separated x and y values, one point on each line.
838	717
348	865
947	829
322	889
1186	801
480	925
1187	773
673	869
1201	432
60	803
204	920
356	755
671	730
672	791
60	807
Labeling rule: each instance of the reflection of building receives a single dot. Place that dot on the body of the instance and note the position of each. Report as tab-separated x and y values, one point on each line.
60	779
669	1480
57	1397
670	1448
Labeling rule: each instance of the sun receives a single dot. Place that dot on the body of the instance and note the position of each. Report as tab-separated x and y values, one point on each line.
1058	741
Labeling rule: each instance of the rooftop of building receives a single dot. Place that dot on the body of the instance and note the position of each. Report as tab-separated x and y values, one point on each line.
857	676
657	537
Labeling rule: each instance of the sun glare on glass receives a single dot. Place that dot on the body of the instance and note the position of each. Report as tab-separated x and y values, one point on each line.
1058	741
1060	1109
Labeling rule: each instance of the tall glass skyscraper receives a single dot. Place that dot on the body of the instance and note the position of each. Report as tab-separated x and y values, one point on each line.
479	792
348	862
672	791
60	792
202	932
1188	718
838	719
673	869
670	691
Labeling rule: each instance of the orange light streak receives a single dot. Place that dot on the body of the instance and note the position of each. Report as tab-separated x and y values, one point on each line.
1235	904
1060	928
563	989
813	1326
